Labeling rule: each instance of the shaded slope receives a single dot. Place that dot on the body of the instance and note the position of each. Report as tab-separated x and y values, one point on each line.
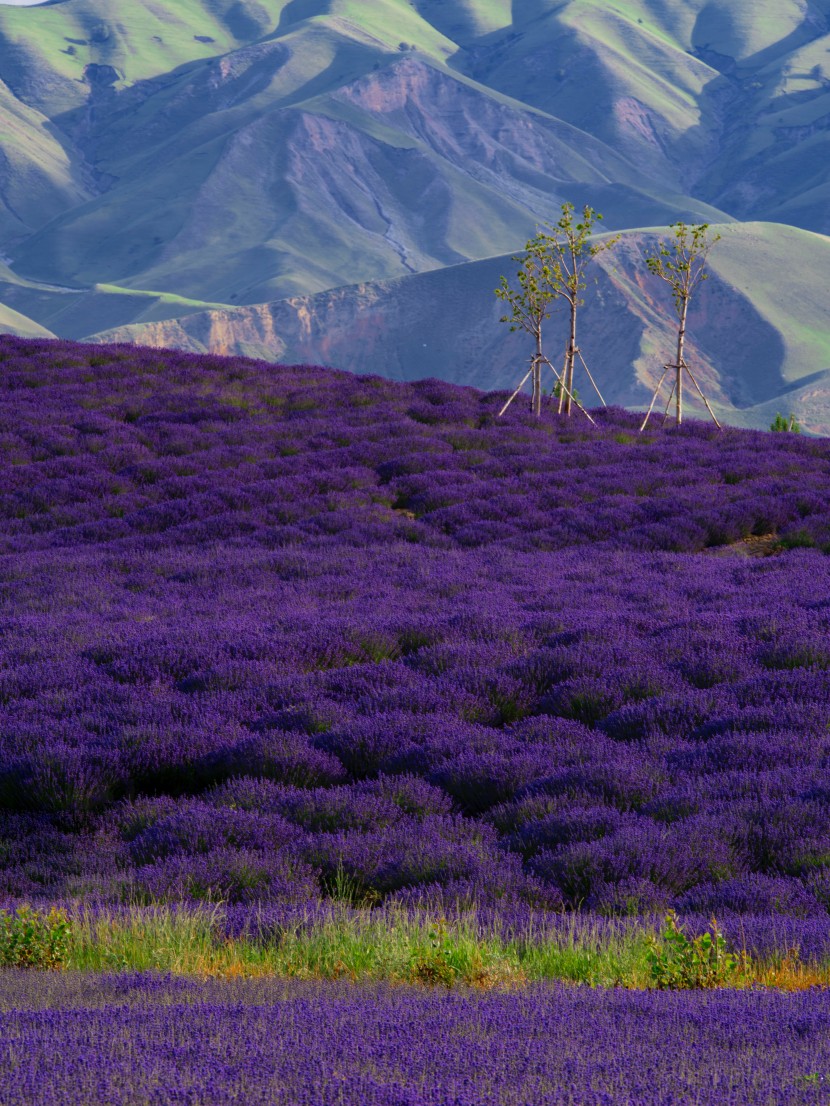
712	97
405	169
626	82
12	322
41	175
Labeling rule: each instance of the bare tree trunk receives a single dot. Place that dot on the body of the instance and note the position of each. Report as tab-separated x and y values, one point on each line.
537	376
681	342
569	378
563	384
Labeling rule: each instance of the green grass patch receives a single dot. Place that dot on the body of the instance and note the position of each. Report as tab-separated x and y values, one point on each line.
398	946
164	297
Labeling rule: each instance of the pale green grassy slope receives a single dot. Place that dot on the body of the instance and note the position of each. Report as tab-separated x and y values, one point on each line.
183	159
786	273
260	194
41	175
778	167
12	322
46	49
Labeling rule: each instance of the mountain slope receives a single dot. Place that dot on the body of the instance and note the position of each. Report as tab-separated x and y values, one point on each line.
755	352
404	169
205	155
12	322
40	173
345	185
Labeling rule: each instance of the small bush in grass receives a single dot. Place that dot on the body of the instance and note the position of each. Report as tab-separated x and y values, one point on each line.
797	539
33	939
680	963
432	964
448	957
781	424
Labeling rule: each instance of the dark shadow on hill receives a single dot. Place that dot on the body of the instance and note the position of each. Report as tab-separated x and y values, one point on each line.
452	21
297	11
89	130
745	350
789	387
763	186
815	24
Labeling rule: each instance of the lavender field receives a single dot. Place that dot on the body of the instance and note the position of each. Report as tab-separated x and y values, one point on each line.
139	1039
281	645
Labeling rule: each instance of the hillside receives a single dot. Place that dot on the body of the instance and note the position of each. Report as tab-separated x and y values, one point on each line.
223	154
247	654
14	323
758	351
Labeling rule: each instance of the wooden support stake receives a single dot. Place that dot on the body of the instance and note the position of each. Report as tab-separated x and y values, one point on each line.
668	405
588	371
524	381
702	396
565	391
654	397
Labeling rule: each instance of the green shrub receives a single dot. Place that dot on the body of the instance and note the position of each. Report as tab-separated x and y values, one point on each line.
33	939
557	392
679	963
785	425
432	964
797	539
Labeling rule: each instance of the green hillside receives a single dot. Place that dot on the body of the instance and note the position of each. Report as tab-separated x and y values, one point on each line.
12	322
168	162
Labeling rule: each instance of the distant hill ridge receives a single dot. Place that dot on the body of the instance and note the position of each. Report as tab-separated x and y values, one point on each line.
170	171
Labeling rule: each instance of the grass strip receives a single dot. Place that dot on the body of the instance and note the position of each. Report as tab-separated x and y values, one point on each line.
405	947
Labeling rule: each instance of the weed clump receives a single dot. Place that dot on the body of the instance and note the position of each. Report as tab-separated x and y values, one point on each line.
34	939
681	963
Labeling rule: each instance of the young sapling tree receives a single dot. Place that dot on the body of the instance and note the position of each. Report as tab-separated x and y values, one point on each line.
681	263
571	253
553	268
530	304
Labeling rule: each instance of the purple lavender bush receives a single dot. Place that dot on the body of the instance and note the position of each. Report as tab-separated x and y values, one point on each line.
267	633
113	1040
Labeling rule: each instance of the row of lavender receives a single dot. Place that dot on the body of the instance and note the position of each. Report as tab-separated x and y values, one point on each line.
272	634
115	1040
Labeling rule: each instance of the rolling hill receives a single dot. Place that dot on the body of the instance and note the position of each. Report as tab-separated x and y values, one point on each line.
753	346
258	159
